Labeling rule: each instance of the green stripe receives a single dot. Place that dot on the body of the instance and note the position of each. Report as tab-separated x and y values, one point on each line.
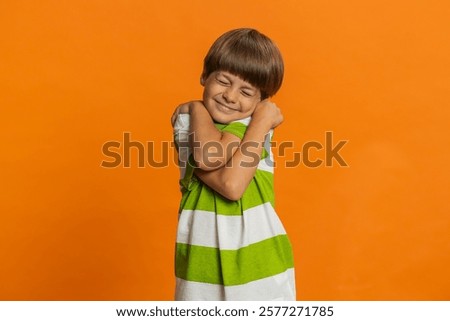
233	267
201	197
237	129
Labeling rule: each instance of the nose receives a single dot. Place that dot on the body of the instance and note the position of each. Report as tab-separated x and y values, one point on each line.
230	95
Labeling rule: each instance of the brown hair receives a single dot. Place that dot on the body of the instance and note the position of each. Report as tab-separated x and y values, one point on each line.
249	54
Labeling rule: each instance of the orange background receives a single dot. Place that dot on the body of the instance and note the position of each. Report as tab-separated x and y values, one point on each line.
76	74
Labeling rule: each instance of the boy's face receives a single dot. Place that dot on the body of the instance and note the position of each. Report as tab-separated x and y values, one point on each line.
227	97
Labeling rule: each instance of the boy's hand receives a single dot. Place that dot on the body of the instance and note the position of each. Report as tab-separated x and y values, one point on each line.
182	109
268	114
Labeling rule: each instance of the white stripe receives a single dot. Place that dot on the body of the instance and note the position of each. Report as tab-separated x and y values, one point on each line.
182	123
229	232
280	287
244	121
266	164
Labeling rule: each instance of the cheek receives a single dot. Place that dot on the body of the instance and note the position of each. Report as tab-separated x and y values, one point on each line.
208	94
250	107
210	89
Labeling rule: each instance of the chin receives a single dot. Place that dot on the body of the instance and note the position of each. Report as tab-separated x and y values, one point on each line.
223	119
220	118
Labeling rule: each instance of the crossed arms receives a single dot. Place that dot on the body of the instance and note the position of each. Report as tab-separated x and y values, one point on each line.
223	172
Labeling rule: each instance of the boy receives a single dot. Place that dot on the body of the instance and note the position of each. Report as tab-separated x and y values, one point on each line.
231	244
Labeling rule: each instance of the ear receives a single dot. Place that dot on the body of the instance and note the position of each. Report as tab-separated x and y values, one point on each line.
202	80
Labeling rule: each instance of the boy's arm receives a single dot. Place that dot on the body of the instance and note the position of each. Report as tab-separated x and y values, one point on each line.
232	180
211	148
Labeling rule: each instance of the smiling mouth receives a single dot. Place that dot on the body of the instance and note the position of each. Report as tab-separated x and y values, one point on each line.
225	108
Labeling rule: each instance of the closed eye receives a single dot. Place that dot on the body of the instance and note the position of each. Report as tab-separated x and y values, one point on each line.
222	81
247	93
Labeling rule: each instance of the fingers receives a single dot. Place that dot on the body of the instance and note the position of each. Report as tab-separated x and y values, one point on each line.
173	119
270	111
175	115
